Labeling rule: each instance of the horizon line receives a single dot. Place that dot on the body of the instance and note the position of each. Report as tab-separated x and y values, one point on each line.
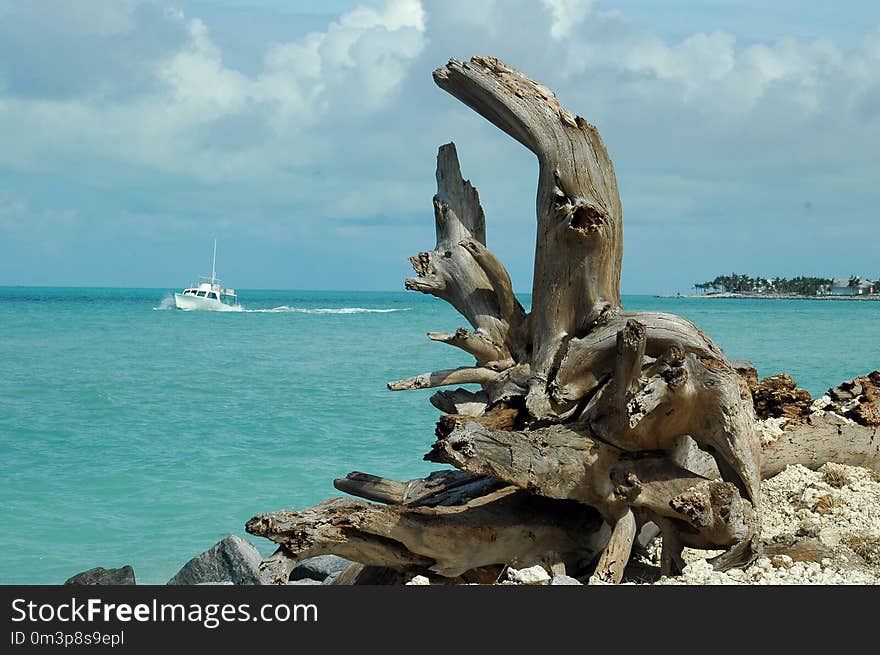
402	290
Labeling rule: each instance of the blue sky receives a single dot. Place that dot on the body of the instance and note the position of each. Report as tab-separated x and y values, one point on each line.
744	133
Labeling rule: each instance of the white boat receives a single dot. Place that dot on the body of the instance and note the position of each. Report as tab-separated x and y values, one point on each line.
208	294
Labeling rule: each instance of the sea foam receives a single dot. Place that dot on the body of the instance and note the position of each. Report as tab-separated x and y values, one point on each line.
166	303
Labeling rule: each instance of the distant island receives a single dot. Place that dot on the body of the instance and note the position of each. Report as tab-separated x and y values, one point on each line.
737	285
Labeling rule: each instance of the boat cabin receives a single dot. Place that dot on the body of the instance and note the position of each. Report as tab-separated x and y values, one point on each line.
213	292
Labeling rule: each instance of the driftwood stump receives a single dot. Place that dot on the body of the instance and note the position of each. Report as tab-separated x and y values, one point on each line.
622	384
573	439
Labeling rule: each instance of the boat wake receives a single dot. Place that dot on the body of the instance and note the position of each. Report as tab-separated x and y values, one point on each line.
168	303
284	309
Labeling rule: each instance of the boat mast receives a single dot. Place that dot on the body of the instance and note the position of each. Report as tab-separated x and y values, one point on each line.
214	263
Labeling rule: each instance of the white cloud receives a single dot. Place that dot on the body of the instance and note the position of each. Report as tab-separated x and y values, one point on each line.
197	81
567	15
350	69
205	119
342	122
365	54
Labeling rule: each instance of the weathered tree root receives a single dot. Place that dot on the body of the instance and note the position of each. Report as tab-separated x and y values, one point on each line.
637	381
559	462
501	527
581	404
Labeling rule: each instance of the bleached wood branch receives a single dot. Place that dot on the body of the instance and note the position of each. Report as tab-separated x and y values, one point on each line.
463	375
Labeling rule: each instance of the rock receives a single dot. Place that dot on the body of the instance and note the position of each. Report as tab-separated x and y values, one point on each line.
858	399
866	546
849	389
305	581
782	561
330	578
101	576
747	372
213	584
319	568
558	580
232	560
534	575
818	527
778	395
419	581
596	581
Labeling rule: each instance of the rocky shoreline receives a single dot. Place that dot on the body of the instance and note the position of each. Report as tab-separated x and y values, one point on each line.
231	561
821	519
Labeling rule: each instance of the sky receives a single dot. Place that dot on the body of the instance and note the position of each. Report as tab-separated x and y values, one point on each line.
303	136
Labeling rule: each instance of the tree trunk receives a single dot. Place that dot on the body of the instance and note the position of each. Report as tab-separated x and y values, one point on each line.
820	438
580	232
576	316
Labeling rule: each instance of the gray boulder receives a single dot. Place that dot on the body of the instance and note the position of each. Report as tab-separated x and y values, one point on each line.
319	568
233	560
101	576
305	581
559	579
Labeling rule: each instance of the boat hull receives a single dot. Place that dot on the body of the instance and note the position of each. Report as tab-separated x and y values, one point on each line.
195	303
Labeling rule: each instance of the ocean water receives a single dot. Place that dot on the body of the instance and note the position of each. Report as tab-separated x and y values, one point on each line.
135	434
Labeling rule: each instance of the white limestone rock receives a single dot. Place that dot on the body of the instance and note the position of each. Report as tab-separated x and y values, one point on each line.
534	575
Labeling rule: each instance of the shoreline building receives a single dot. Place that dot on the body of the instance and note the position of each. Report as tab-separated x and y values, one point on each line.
854	286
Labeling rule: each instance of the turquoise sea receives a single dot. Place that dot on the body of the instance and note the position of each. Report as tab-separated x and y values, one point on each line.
133	434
